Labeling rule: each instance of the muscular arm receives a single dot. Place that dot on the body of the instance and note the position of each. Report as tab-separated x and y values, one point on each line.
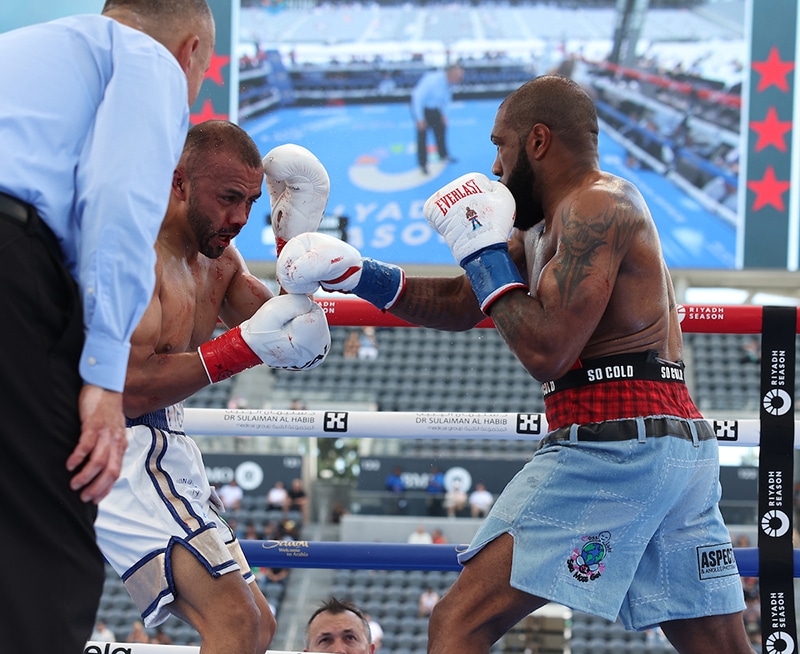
439	303
449	303
246	293
164	366
549	328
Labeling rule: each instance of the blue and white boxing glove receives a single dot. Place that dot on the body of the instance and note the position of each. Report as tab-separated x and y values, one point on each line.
475	216
311	260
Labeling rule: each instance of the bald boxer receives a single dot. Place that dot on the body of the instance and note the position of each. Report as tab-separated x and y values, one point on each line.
617	506
160	526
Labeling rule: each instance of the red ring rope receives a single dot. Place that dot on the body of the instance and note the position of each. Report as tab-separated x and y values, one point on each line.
695	318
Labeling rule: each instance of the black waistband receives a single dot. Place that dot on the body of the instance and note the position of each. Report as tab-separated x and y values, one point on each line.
26	217
619	367
633	428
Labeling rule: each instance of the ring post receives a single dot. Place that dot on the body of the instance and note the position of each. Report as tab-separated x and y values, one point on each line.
775	476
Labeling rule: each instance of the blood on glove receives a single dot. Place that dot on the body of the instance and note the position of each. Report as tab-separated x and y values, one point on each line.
289	332
310	261
298	187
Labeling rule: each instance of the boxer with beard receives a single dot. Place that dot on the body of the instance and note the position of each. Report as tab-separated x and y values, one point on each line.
618	503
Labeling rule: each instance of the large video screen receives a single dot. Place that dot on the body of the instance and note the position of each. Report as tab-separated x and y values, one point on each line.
337	78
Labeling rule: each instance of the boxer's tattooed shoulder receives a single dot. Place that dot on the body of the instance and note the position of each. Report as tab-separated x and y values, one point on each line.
582	239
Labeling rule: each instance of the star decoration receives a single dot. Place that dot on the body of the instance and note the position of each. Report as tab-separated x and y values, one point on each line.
769	191
771	131
206	113
773	71
214	72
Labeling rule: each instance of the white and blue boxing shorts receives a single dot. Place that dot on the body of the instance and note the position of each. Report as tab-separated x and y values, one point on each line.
162	499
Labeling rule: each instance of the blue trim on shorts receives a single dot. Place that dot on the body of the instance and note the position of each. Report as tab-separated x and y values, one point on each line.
174	495
155	419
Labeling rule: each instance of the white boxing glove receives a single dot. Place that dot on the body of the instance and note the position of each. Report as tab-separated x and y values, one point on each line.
471	213
311	260
287	331
475	216
298	186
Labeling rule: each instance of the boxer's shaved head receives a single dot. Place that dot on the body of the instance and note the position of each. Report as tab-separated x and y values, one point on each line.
560	104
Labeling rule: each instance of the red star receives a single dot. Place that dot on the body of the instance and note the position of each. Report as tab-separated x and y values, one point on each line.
773	71
768	190
206	113
771	131
214	72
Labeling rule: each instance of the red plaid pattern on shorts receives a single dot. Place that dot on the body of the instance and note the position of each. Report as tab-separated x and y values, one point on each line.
617	400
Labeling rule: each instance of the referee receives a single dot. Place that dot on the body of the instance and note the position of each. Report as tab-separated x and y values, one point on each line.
430	100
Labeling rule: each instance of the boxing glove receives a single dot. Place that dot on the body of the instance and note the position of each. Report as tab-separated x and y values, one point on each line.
311	260
287	331
298	187
475	216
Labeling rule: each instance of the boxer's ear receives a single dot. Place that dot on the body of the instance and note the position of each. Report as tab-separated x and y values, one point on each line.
179	183
539	139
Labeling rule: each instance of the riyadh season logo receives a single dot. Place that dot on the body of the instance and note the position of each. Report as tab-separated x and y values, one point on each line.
775	523
777	402
699	313
779	642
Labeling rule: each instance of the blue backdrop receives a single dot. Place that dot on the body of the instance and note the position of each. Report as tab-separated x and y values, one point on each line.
369	152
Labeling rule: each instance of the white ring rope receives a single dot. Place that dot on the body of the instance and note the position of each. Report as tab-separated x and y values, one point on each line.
409	424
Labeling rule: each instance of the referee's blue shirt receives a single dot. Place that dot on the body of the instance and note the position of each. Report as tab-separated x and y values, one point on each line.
93	118
431	92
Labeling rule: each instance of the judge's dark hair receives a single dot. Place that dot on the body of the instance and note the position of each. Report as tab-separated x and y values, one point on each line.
335	606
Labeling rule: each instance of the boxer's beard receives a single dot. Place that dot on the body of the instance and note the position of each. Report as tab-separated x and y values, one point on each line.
202	226
520	183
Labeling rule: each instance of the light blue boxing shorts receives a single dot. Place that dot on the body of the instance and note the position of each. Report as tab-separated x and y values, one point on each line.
162	499
620	518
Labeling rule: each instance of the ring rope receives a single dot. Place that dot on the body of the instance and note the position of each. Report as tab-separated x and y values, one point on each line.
695	318
402	556
409	424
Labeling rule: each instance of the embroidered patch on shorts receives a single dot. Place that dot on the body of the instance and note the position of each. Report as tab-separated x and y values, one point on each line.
587	563
716	561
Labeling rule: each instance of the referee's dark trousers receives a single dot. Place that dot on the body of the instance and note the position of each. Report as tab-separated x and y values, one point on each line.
434	121
52	575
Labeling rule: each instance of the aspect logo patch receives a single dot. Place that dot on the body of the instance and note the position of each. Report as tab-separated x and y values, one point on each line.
716	561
